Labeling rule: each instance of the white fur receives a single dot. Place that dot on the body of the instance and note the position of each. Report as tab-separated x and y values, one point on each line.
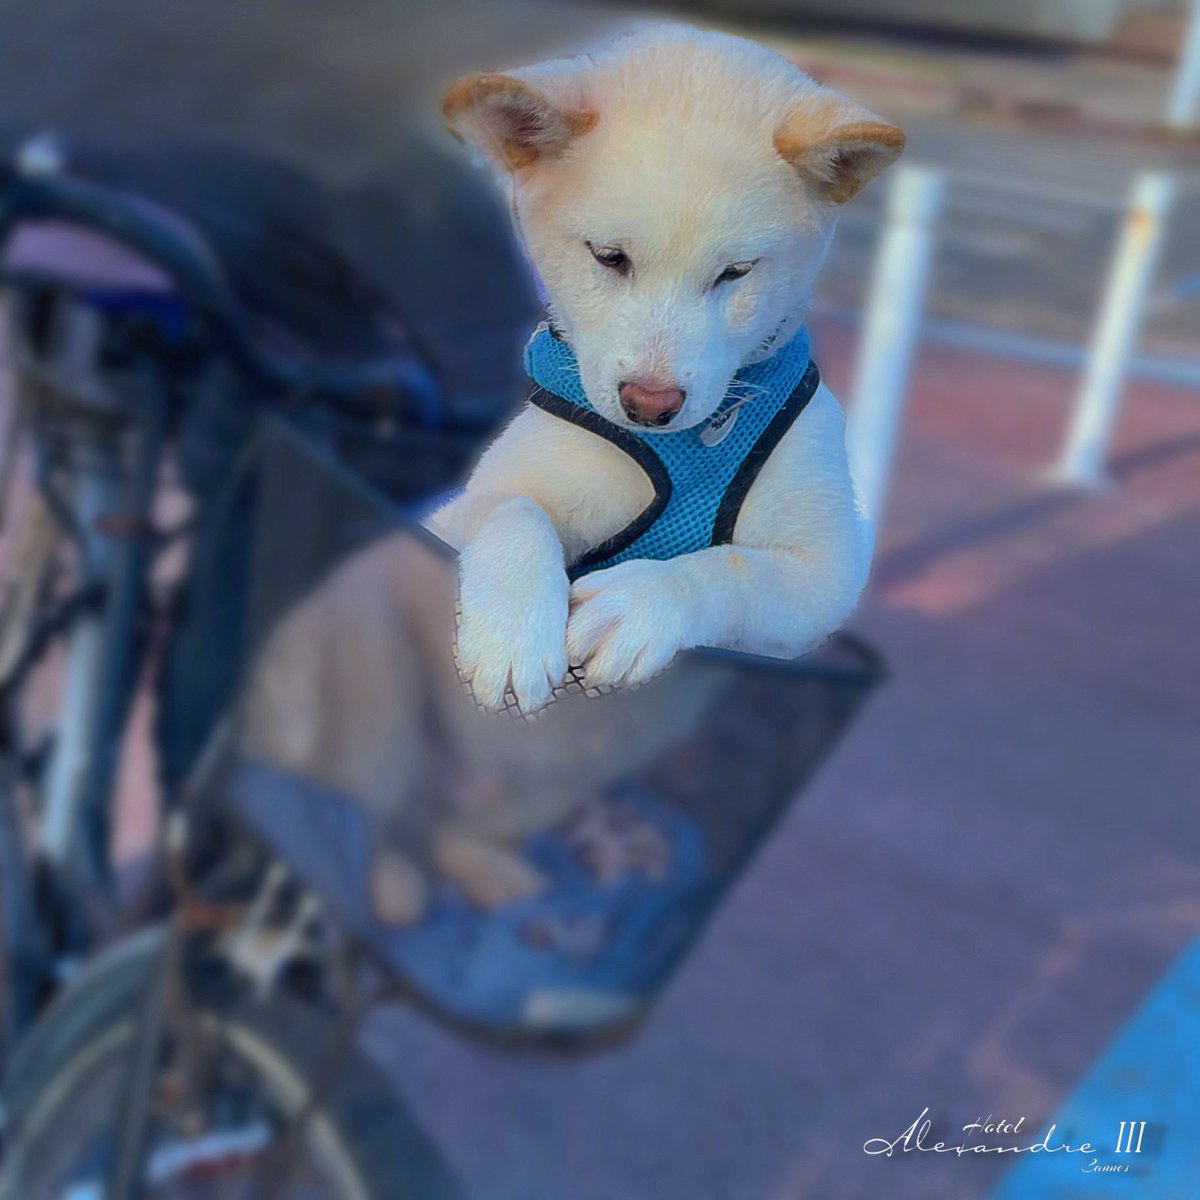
681	172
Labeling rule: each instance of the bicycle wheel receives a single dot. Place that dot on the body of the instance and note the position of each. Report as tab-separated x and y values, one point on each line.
65	1084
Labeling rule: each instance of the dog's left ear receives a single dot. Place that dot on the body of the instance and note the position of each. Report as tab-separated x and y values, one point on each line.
837	145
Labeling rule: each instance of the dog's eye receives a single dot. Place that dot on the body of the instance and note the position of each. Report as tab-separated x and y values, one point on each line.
732	272
612	258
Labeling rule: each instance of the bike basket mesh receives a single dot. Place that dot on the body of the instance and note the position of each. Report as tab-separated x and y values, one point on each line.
543	877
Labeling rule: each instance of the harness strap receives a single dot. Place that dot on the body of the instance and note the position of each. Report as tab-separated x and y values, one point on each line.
747	473
641	452
645	458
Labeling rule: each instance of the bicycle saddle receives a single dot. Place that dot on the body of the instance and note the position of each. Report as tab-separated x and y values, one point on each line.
270	230
335	278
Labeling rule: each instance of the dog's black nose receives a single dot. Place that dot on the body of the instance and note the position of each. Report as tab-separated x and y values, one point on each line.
650	405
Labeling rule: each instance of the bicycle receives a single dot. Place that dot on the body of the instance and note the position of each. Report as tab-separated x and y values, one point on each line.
214	1053
141	373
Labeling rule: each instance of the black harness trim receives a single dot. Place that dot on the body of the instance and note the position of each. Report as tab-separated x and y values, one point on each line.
747	473
735	493
645	458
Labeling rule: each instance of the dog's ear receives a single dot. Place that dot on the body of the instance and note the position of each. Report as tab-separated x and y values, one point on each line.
510	120
837	145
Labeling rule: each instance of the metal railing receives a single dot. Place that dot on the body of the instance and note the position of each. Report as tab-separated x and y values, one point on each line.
894	318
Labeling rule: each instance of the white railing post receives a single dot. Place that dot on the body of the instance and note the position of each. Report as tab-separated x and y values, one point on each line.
1183	110
893	324
1117	327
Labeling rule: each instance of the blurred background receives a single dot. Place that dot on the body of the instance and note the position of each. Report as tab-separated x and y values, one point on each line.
1000	868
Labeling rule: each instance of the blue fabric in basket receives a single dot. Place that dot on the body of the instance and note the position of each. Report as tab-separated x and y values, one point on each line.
488	968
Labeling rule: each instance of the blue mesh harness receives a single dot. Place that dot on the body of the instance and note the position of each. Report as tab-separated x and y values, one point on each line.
700	475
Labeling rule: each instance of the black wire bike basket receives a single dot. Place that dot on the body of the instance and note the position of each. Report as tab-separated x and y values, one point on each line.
692	770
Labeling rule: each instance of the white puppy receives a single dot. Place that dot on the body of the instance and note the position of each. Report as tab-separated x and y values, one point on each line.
676	193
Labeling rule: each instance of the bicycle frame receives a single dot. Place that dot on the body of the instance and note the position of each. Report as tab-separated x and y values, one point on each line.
97	473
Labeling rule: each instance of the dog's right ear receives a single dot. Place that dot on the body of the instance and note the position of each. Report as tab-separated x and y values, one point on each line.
837	145
511	121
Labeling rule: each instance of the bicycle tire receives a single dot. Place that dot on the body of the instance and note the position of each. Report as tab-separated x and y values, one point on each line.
379	1151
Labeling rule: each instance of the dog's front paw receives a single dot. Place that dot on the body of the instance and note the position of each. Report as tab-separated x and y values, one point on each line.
512	631
627	622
